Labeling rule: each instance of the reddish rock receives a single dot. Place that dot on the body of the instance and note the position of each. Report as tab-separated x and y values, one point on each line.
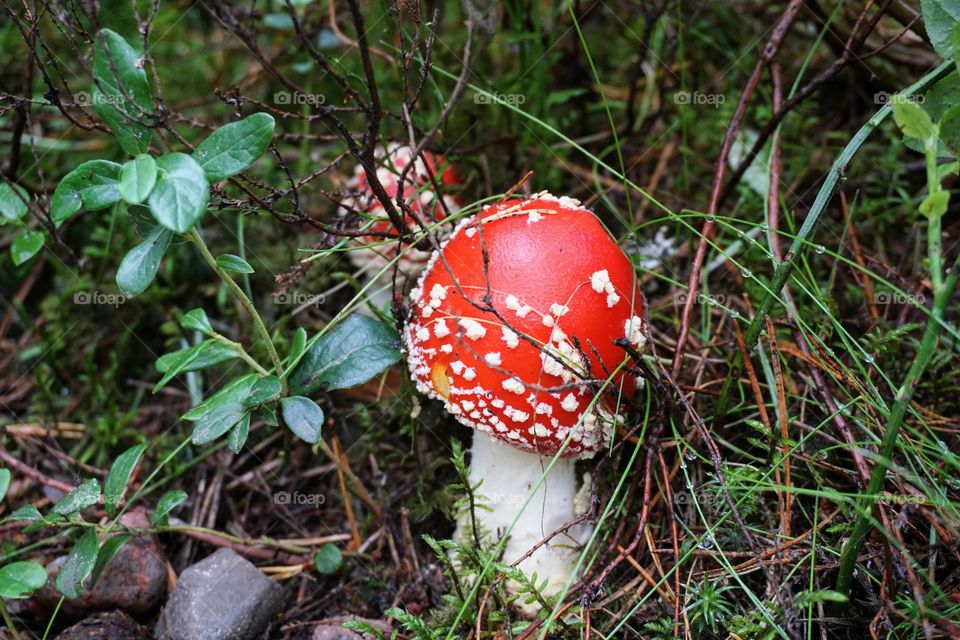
135	580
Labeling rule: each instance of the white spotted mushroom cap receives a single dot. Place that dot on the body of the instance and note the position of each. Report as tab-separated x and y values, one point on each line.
417	191
562	291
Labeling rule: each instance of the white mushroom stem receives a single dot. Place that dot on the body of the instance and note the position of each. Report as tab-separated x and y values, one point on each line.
508	477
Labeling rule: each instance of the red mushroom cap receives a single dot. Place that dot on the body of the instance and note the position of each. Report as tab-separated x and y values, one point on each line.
418	191
562	291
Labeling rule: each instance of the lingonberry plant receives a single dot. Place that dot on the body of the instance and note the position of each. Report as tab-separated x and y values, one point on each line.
165	197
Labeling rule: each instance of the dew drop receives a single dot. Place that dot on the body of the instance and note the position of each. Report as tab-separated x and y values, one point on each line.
746	273
820	249
690	455
711	218
868	359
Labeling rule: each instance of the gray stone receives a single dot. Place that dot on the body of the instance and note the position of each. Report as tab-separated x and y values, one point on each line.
222	597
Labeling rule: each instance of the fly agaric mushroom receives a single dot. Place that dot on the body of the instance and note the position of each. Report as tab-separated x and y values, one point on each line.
521	347
376	251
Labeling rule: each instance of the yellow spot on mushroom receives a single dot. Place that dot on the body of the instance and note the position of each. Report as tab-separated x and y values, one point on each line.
441	383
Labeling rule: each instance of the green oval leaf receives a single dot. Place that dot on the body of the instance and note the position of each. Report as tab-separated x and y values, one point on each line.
197	320
328	559
912	119
303	417
217	422
78	565
4	482
107	550
167	503
347	355
180	196
119	476
139	267
121	94
26	245
950	130
230	262
298	345
239	433
20	579
940	17
26	513
264	390
93	185
236	390
86	495
137	178
200	356
13	202
935	205
232	148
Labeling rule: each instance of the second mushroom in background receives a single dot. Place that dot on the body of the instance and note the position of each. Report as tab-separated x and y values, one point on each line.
374	253
513	326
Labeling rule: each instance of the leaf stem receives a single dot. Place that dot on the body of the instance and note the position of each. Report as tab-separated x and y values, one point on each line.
245	301
5	615
246	357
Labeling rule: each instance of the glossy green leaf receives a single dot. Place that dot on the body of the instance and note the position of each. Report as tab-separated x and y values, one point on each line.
4	483
328	559
239	433
27	513
303	417
93	185
912	119
13	202
264	390
26	245
950	130
141	220
197	320
121	93
269	415
107	550
137	178
236	391
230	262
232	148
120	472
139	267
200	356
180	196
955	45
347	355
298	344
935	205
86	495
20	579
167	503
940	17
79	565
217	422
